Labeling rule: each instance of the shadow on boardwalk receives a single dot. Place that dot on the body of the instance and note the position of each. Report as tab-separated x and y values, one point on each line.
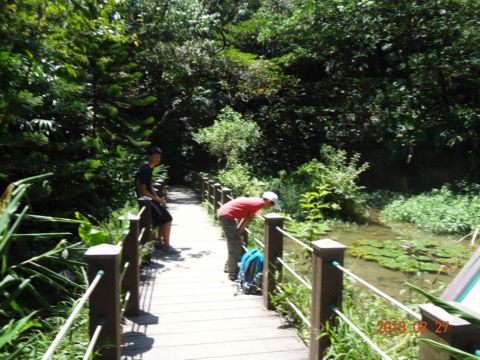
189	308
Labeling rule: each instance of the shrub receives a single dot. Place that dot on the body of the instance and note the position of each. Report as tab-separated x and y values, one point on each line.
336	172
314	203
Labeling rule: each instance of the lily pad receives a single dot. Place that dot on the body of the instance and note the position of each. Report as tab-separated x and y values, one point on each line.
423	258
410	256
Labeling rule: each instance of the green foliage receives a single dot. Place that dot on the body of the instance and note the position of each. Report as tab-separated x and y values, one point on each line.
72	346
306	230
230	137
33	272
379	198
456	353
365	310
68	101
301	297
411	256
111	231
314	203
440	211
14	329
240	179
376	72
451	308
336	174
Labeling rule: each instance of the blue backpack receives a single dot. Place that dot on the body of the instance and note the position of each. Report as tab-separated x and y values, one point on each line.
251	271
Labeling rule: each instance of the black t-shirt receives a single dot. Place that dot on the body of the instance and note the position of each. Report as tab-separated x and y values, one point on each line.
143	176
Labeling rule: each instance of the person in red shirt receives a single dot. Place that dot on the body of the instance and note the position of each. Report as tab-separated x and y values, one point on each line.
243	210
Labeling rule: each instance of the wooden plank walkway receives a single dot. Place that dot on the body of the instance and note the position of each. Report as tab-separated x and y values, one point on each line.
190	310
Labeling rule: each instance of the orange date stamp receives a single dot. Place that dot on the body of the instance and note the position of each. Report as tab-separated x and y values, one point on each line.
418	327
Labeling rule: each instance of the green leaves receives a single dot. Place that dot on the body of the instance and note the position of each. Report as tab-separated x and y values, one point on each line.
69	95
26	267
111	231
456	353
449	307
142	102
330	185
14	328
442	211
315	202
89	233
230	137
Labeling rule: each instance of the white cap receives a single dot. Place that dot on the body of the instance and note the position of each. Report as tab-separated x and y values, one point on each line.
269	195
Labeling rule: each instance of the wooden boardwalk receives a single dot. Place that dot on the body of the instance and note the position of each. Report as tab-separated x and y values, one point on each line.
190	310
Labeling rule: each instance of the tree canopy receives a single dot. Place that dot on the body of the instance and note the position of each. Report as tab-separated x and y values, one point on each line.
87	85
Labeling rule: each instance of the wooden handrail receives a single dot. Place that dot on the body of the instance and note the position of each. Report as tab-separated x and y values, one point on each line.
105	306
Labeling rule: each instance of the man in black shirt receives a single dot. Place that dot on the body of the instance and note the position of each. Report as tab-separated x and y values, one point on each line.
160	215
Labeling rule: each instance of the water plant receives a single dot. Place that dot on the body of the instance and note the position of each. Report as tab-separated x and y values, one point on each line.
411	256
441	211
306	231
316	203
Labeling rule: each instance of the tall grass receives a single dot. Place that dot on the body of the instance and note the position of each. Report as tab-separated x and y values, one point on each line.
72	346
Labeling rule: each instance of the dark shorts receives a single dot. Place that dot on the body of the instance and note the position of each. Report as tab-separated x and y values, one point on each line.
160	214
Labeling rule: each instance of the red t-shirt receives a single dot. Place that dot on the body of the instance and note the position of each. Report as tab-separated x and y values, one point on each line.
241	208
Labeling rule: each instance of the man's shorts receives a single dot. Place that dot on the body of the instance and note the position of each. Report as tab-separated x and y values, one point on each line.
160	214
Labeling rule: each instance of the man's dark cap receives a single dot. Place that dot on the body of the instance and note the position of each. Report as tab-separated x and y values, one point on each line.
154	150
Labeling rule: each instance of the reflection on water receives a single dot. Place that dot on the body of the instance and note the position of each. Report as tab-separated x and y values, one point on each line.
389	281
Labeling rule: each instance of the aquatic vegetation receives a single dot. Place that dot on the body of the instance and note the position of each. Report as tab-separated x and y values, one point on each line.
411	256
306	230
441	211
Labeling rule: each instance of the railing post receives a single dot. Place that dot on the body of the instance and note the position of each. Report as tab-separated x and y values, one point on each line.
208	192
327	289
131	279
273	250
448	330
225	193
216	197
211	192
105	299
204	188
197	182
194	179
146	220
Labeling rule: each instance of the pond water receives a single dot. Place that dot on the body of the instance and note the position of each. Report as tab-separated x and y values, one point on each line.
389	281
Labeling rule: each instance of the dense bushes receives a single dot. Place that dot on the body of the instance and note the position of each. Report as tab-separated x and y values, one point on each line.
440	210
69	103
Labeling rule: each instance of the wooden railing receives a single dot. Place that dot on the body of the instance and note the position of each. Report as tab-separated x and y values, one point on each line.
114	275
327	279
